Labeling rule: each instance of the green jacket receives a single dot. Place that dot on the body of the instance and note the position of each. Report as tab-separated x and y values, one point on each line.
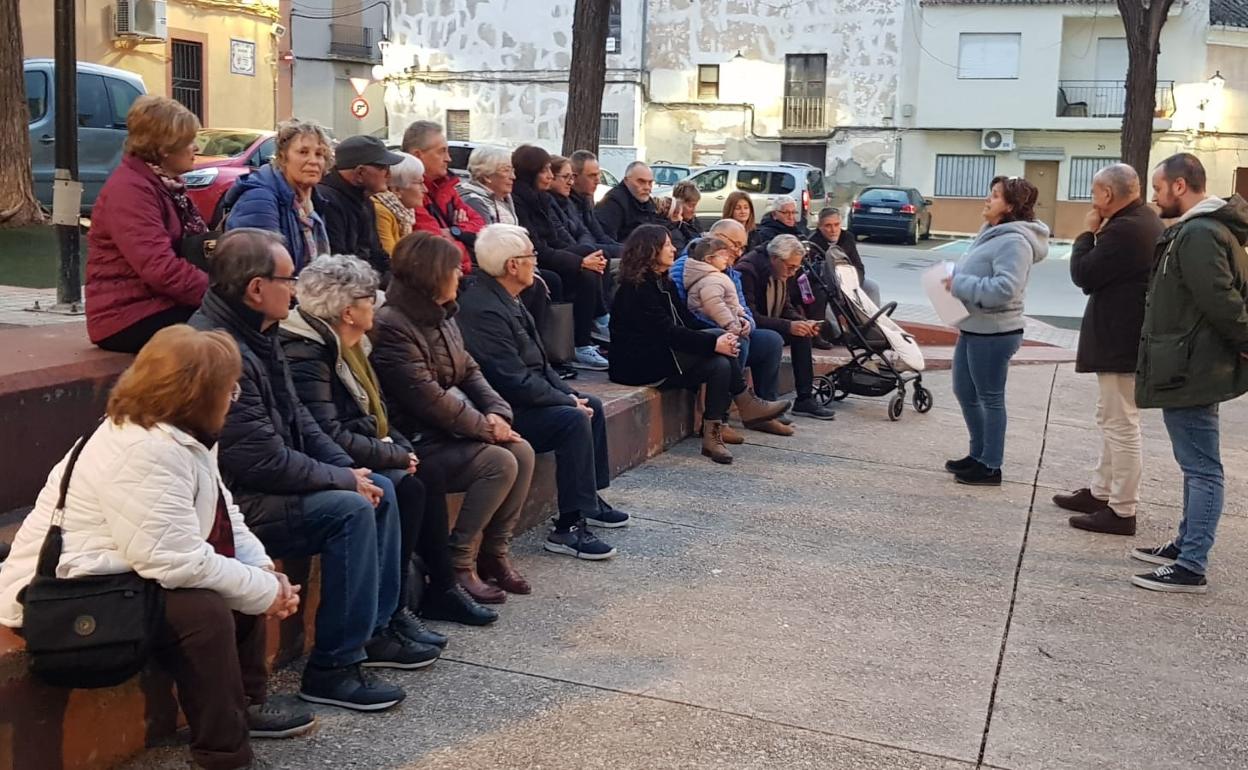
1196	315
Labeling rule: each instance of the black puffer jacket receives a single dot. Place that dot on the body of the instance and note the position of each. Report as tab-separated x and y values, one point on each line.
770	227
583	206
551	240
620	213
848	243
271	452
434	387
333	395
351	222
564	210
648	324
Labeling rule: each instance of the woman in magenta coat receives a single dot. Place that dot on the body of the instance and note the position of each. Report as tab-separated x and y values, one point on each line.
137	283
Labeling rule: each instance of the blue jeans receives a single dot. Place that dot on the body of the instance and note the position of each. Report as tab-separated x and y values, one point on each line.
582	466
1194	438
761	352
980	366
360	575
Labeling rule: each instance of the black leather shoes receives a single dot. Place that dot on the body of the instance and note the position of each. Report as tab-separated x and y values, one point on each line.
1080	501
454	605
1106	521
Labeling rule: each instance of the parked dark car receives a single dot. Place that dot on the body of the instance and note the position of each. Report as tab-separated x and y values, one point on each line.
891	212
225	154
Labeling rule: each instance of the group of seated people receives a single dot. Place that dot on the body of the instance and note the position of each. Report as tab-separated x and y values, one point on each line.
282	406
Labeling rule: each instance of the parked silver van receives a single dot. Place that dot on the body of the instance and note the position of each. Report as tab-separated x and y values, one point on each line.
104	97
763	181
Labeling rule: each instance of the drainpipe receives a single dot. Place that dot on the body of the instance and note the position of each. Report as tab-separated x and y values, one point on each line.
645	70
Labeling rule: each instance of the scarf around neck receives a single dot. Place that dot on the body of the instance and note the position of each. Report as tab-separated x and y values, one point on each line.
192	222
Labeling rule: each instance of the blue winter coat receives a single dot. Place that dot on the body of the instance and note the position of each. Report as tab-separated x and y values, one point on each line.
264	199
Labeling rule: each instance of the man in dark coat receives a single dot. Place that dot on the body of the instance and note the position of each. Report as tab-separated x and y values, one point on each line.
587	174
629	205
297	489
781	220
765	275
1110	262
501	335
1193	355
361	169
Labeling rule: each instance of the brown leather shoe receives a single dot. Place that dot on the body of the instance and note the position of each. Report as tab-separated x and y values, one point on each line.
478	589
1080	501
754	409
730	435
1106	521
713	442
774	427
503	573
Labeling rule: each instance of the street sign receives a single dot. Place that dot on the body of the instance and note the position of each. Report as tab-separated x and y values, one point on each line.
359	107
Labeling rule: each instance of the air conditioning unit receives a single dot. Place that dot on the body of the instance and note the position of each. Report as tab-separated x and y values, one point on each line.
141	20
997	140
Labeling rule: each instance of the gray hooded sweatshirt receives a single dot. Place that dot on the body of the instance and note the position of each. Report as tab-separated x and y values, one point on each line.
991	278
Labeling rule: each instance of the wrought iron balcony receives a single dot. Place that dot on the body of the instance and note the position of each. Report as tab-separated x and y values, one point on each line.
808	113
1106	99
351	42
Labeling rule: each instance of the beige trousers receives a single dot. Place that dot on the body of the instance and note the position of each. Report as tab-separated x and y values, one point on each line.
1117	477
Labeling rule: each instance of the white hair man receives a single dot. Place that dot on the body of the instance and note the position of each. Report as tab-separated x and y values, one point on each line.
629	205
1111	261
783	219
501	335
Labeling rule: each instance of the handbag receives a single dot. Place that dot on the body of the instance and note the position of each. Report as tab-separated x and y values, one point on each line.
557	333
91	631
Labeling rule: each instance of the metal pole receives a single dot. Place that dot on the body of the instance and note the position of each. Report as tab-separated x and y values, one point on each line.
67	187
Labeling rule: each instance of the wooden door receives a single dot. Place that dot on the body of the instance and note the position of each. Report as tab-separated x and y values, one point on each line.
1241	182
1043	174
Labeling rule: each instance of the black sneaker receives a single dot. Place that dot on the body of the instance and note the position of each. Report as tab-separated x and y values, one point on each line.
279	718
349	687
1174	579
958	466
809	407
565	372
979	475
578	542
390	649
454	605
406	623
1164	555
607	517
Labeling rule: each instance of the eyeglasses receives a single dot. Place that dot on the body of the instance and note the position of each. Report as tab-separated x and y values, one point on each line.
290	280
235	393
566	176
526	256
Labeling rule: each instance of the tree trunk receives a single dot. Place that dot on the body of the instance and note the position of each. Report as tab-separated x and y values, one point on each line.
588	76
1143	20
18	206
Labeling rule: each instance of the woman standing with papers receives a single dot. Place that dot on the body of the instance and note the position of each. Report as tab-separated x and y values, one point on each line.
991	280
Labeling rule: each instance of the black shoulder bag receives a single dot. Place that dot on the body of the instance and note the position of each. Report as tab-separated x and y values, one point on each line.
90	631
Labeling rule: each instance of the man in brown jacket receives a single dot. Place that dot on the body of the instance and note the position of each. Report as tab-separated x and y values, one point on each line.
1111	261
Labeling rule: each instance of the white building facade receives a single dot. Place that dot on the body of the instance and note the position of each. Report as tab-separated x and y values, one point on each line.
335	42
1036	88
687	82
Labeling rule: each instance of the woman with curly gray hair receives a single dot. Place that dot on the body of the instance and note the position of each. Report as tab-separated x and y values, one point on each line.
326	347
282	197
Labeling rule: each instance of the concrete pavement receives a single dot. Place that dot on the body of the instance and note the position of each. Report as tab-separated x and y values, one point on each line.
833	600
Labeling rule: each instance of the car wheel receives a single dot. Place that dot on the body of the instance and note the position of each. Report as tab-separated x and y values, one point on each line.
927	234
912	237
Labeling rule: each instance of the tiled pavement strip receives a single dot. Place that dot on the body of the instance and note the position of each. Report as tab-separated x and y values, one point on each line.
833	600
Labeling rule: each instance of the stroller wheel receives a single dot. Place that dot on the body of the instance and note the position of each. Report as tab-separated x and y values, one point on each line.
922	400
896	407
823	391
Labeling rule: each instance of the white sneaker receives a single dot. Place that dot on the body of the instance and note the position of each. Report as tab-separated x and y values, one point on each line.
588	357
602	329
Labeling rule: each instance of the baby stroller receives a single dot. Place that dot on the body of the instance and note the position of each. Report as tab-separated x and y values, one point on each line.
884	358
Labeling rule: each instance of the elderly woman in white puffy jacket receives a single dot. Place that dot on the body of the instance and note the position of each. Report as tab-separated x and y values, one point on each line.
146	496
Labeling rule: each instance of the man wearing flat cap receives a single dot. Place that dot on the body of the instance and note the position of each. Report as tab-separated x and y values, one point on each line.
361	169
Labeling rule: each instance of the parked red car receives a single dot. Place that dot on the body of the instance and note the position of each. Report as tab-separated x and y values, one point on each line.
225	154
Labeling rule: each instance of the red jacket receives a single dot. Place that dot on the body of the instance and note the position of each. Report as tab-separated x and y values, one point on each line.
440	194
133	271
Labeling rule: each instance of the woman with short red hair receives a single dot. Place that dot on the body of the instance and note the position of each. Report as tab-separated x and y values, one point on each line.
137	282
145	496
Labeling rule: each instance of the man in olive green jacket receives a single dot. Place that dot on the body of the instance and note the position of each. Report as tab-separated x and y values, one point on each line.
1193	355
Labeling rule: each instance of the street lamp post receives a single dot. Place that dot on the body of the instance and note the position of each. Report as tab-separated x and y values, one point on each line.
67	195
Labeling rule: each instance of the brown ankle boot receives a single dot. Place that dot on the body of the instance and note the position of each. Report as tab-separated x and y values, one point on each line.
478	589
503	573
730	435
753	409
713	442
774	427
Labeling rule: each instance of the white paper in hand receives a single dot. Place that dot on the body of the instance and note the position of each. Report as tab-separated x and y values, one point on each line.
948	307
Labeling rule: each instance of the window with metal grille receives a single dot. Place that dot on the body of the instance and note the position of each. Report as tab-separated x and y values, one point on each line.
964	176
609	128
1081	172
458	128
614	27
188	75
708	81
